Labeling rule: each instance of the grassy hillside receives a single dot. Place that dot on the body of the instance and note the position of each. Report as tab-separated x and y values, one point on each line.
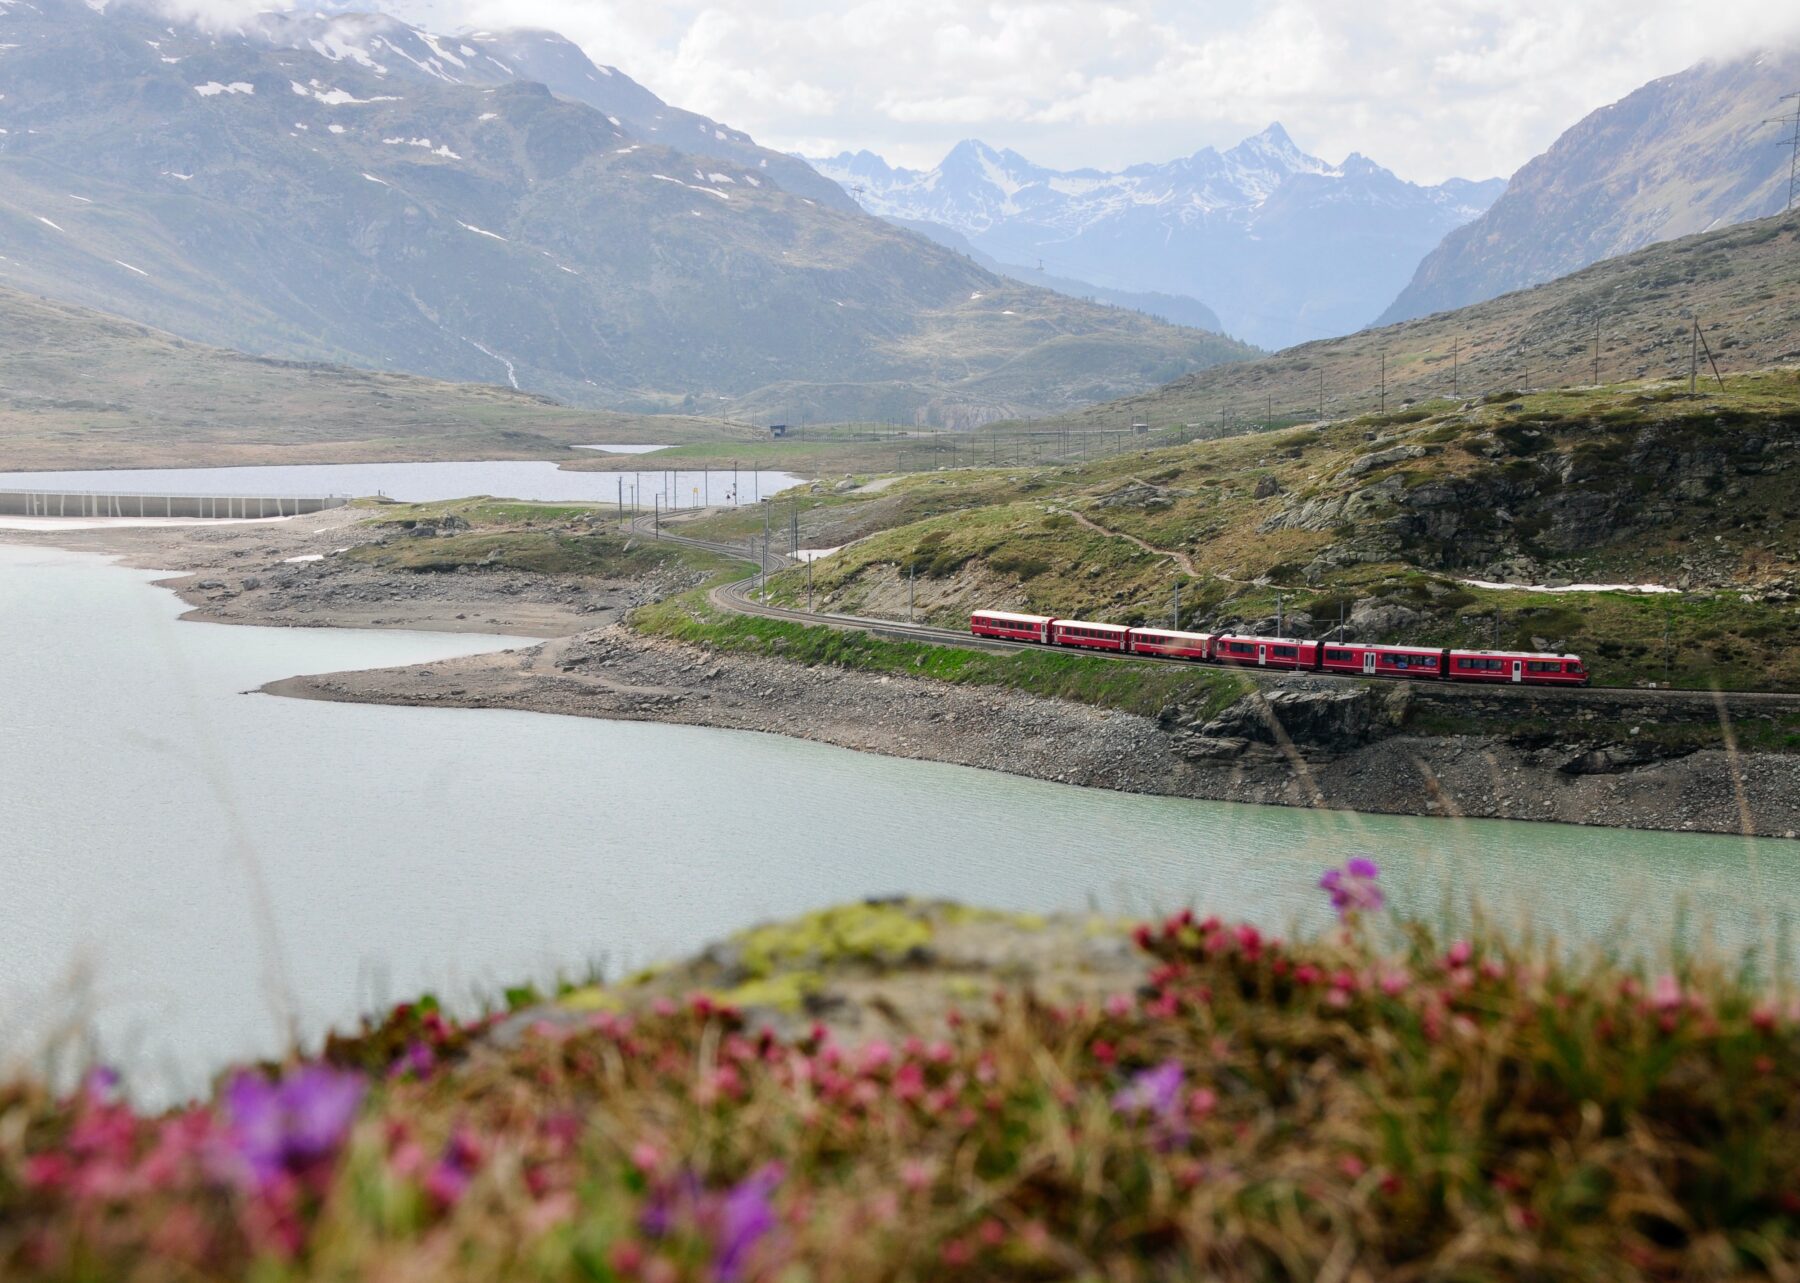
81	389
1381	521
1742	283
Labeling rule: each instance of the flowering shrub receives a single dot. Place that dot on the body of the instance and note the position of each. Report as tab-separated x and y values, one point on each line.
1258	1110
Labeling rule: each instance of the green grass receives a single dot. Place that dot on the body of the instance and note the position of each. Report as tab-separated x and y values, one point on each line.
545	539
1146	689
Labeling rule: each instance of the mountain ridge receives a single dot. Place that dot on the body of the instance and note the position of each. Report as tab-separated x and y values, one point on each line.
1682	154
1280	244
355	204
1741	283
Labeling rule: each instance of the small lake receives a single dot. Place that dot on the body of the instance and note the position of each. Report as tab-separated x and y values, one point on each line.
425	482
186	865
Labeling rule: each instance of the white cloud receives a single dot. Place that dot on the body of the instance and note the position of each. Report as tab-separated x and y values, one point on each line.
1429	87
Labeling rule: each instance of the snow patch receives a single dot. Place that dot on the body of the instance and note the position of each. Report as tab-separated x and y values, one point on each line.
480	231
47	223
1637	588
384	182
488	115
212	88
84	200
184	178
336	129
443	150
128	267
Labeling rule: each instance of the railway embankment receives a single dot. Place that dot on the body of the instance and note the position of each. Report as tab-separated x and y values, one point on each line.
1292	742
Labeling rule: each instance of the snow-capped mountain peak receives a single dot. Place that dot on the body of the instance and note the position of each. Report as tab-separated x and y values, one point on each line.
1214	225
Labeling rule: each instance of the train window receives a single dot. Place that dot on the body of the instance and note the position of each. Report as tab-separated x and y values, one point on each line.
1544	666
1340	657
1285	652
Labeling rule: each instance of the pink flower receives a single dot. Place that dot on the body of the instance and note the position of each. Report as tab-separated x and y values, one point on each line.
1665	994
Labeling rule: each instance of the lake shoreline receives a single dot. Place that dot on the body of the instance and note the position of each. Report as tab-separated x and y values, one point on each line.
286	575
617	674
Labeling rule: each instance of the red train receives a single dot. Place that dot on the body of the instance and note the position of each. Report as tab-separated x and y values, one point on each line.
1418	663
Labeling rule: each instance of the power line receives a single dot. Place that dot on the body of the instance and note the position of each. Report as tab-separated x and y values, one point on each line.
1792	143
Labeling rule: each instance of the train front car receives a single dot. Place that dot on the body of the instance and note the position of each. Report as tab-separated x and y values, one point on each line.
1171	644
1009	626
1265	652
1090	636
1517	668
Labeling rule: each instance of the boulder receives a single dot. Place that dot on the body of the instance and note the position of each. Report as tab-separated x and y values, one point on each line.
1384	458
1377	619
1315	721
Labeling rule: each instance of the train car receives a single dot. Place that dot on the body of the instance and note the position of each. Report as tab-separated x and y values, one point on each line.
1079	632
1527	668
1265	652
1421	663
1012	627
1171	644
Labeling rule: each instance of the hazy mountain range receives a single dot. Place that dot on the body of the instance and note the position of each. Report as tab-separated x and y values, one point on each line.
1282	245
1683	154
348	188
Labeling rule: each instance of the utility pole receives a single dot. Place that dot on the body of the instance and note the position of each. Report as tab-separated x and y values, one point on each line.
1596	351
1384	382
1455	365
621	496
765	549
1279	602
1496	628
1694	360
1321	393
912	571
1709	356
1792	142
1176	621
656	515
809	608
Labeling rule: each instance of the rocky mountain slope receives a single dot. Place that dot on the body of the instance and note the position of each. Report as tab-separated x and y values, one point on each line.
1635	313
339	189
1684	154
80	389
1282	245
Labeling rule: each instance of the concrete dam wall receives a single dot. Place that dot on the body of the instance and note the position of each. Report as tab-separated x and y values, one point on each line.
87	503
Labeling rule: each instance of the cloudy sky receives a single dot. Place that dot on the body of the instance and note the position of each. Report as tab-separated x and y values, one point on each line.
1430	88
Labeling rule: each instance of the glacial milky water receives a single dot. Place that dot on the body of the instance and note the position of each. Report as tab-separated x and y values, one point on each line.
426	482
185	866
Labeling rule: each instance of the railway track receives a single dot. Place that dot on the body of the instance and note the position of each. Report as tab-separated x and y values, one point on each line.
738	597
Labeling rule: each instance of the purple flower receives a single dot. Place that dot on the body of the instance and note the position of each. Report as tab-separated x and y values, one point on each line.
100	1085
735	1220
1352	888
745	1216
449	1180
1153	1091
287	1126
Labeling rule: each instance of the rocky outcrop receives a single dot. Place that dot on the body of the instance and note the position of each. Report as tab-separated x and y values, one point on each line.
1384	458
1312	720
